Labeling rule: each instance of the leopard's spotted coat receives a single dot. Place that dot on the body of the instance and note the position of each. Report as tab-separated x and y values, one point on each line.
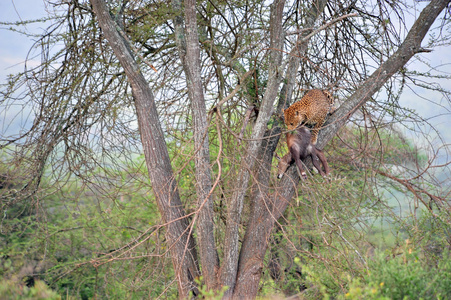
312	109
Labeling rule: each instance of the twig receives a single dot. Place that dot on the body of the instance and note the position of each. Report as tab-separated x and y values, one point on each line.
306	38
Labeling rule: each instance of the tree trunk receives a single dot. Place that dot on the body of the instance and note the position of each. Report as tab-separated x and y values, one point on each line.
235	206
164	186
266	208
263	216
189	52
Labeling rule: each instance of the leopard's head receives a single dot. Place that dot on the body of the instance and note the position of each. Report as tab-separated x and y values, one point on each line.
293	118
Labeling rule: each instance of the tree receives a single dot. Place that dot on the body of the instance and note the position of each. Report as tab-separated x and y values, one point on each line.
213	52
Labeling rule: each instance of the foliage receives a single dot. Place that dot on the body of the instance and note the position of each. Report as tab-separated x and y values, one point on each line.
85	223
205	293
408	277
405	276
418	269
358	290
10	290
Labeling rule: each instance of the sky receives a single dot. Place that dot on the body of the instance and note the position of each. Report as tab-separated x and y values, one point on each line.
14	46
432	106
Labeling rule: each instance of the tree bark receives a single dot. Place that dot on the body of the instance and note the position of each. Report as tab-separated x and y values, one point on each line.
263	215
235	206
164	186
264	212
189	52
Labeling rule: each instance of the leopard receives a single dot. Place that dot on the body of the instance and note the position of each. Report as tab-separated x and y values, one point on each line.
312	109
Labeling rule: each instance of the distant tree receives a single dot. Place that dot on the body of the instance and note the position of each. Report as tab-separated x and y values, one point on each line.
209	79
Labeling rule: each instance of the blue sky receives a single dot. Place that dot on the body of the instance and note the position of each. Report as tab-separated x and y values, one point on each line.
14	48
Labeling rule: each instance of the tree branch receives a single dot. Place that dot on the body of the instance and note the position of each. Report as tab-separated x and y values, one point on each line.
410	47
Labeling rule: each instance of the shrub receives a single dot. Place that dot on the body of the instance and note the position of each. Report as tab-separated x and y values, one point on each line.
403	277
11	290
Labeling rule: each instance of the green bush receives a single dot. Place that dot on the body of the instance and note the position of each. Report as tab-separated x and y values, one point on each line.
358	290
407	277
404	277
10	290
